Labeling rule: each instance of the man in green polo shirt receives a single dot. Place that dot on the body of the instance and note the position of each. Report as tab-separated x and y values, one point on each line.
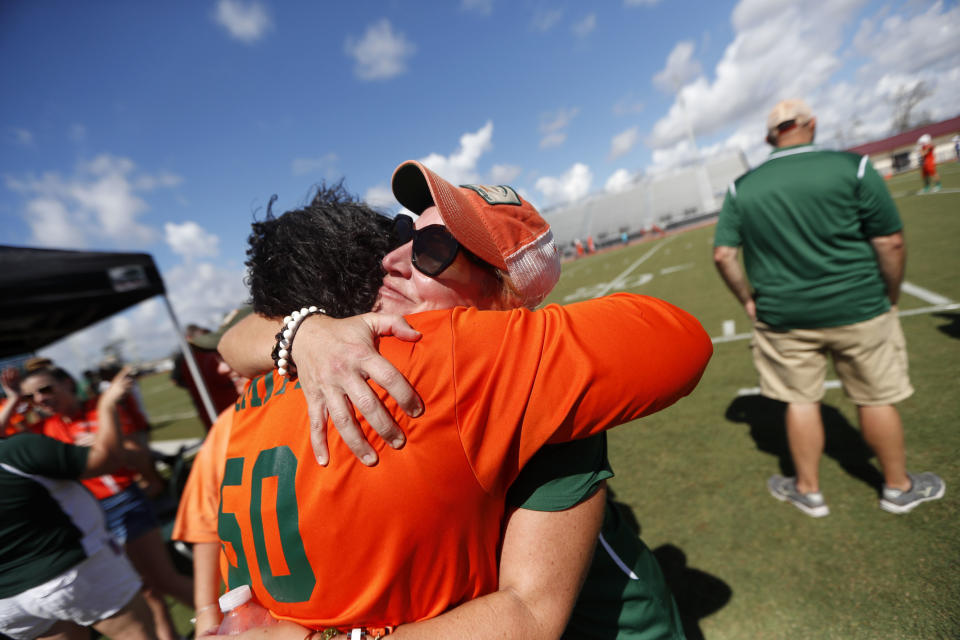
824	253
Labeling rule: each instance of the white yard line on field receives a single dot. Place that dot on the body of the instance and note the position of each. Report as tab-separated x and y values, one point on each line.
903	194
616	282
755	391
924	294
909	312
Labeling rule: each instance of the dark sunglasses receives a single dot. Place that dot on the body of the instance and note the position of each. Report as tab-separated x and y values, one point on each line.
434	247
45	390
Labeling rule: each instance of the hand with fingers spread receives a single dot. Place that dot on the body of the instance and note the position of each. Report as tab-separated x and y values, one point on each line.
10	382
334	360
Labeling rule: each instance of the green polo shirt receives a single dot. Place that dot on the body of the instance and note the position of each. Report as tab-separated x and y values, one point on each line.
624	595
42	517
804	219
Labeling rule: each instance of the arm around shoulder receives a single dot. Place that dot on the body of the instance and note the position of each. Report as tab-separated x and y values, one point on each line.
566	372
247	345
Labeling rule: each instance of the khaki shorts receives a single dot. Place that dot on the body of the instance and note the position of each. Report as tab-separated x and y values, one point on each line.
870	359
90	591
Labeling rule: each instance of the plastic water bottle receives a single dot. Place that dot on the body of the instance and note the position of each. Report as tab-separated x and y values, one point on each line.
241	612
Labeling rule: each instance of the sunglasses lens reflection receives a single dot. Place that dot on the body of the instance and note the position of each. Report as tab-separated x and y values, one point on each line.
434	249
403	228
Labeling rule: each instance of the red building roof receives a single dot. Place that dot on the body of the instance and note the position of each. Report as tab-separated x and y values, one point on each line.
908	138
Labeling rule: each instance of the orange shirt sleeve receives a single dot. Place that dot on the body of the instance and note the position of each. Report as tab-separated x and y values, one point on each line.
566	372
200	502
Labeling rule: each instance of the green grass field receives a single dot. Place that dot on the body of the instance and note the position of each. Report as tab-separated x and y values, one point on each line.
741	564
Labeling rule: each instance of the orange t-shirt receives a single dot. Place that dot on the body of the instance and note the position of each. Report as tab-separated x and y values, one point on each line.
80	430
197	512
347	545
929	164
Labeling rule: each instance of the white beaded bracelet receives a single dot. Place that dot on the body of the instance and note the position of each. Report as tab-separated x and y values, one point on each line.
281	352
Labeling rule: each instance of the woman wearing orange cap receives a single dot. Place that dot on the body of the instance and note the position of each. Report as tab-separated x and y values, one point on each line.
481	246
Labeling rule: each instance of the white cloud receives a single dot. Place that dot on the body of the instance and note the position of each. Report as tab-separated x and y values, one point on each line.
23	136
553	127
190	240
199	293
483	7
100	202
50	220
681	67
325	165
572	185
623	142
552	140
77	133
460	167
504	173
627	105
769	37
618	181
381	53
160	180
585	27
244	21
908	44
380	197
546	19
203	292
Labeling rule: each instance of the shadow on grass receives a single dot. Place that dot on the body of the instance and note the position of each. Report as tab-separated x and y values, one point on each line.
697	593
952	328
843	441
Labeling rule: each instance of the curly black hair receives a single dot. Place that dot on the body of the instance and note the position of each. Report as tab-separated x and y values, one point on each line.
326	254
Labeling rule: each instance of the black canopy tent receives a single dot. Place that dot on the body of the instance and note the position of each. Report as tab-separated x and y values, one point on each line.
47	294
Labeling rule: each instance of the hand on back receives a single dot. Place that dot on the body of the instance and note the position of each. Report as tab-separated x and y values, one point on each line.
334	360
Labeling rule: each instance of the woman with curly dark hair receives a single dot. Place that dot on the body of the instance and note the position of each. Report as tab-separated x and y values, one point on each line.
334	235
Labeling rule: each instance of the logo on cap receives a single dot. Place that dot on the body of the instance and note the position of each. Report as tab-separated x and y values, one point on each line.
495	194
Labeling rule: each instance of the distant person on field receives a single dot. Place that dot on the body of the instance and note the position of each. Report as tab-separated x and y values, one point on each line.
60	569
824	252
928	164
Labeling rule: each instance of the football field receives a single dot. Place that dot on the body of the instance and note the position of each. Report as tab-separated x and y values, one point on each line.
741	564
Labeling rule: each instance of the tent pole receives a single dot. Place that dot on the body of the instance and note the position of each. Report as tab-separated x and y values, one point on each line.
191	363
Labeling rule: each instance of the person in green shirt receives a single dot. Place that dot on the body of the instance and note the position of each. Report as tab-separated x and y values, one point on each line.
60	569
824	257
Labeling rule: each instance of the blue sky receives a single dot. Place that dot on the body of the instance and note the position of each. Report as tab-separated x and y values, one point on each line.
163	127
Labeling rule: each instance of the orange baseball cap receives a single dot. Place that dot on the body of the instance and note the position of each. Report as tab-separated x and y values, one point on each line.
492	221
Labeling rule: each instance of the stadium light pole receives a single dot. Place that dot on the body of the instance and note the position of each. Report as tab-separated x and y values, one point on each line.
707	201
